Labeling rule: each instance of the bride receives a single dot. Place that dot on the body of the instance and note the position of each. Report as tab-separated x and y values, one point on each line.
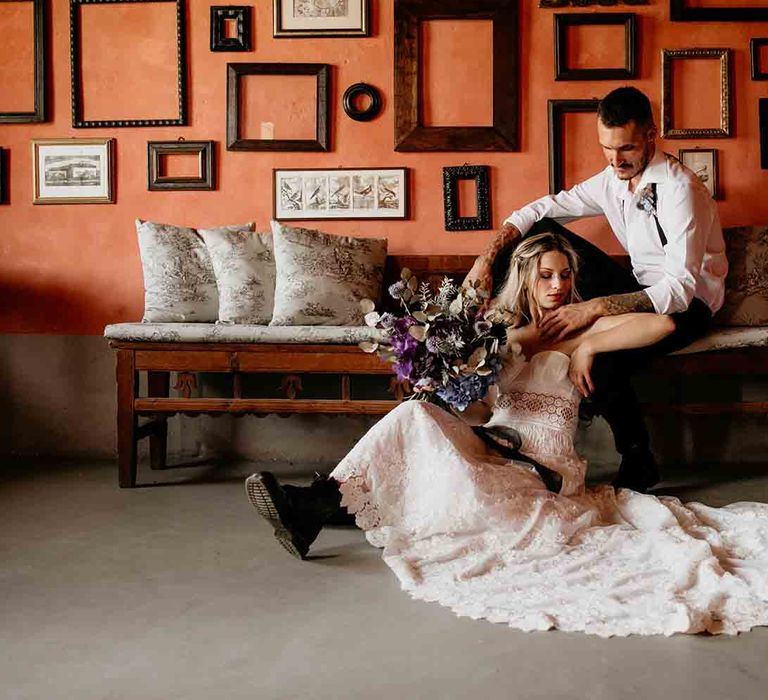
481	534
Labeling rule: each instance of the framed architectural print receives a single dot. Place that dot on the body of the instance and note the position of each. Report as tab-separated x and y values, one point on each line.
668	128
557	109
320	18
104	54
454	221
563	22
25	20
361	193
158	177
410	132
703	162
238	17
237	72
717	11
73	171
756	47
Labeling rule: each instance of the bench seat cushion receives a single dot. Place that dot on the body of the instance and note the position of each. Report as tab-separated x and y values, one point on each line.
719	339
238	333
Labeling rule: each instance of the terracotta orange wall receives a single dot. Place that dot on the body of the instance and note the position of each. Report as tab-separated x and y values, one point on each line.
71	269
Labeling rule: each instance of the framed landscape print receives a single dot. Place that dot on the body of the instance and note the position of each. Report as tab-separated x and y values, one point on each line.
319	18
362	193
703	162
73	171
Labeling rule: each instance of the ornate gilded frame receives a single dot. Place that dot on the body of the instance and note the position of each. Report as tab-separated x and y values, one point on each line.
668	56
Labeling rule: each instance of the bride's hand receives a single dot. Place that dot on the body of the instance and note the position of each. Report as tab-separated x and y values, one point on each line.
580	369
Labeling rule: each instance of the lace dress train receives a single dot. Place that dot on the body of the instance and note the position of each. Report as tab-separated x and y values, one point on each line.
464	527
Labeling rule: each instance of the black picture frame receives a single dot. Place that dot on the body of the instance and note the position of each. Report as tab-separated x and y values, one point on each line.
563	21
763	111
75	39
204	150
668	56
3	178
680	12
451	177
241	15
355	91
322	73
39	111
586	3
756	65
689	156
410	133
556	110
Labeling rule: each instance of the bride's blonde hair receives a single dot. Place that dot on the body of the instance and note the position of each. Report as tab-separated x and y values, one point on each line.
516	298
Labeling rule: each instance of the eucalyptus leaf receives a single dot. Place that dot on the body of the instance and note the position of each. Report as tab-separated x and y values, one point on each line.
413	283
368	346
420	316
418	332
456	306
372	318
367	306
483	371
405	274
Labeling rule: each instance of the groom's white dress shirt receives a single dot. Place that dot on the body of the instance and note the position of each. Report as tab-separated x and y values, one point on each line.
693	262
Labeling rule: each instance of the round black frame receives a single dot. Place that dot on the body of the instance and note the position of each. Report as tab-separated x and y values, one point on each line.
362	115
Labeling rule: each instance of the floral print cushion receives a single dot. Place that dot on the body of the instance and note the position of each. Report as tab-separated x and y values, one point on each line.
746	287
244	264
322	278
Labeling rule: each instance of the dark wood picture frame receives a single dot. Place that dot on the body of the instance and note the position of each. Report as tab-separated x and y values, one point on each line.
355	91
75	38
322	73
557	109
714	183
3	178
451	176
668	56
763	112
241	15
204	150
347	211
280	31
585	3
563	21
756	65
680	12
410	133
40	24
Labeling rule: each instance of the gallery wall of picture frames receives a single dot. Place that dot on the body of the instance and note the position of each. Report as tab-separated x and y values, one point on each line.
231	30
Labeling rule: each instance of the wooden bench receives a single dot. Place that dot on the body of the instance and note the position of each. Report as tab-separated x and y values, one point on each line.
159	360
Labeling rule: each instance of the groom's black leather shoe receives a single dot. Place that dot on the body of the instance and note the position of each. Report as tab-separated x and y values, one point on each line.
638	470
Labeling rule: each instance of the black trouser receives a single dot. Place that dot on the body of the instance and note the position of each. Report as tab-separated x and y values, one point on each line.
614	398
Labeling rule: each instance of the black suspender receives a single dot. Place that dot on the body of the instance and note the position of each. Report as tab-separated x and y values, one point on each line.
662	237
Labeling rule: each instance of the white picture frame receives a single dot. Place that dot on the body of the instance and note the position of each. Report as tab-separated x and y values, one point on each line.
73	171
342	193
703	162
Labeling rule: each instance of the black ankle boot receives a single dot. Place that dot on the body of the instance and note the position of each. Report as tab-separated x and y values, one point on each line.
296	524
638	470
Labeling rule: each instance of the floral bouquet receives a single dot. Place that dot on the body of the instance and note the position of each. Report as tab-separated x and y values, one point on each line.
445	344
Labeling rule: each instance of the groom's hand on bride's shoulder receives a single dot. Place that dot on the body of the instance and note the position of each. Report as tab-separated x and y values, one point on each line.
560	323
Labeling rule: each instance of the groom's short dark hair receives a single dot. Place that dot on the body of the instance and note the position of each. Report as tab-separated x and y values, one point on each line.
624	105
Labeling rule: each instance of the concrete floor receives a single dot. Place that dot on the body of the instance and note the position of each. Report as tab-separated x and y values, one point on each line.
179	591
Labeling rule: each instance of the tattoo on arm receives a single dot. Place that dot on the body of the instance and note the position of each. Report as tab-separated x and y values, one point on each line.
627	303
506	234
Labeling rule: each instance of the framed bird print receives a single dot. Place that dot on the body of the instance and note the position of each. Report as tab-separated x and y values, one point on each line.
343	193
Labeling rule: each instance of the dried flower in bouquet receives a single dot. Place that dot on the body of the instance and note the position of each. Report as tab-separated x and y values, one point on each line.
444	342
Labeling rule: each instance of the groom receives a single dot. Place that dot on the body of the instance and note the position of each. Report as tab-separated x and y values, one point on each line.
663	217
666	221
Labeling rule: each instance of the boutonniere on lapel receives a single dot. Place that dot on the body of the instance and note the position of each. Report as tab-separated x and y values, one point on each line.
647	200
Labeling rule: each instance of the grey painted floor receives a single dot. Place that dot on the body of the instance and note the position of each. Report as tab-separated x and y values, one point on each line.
179	591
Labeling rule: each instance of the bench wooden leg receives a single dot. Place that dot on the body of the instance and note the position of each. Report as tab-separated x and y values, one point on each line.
127	421
158	384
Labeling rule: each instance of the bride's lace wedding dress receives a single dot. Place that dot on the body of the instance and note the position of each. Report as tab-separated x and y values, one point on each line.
480	534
